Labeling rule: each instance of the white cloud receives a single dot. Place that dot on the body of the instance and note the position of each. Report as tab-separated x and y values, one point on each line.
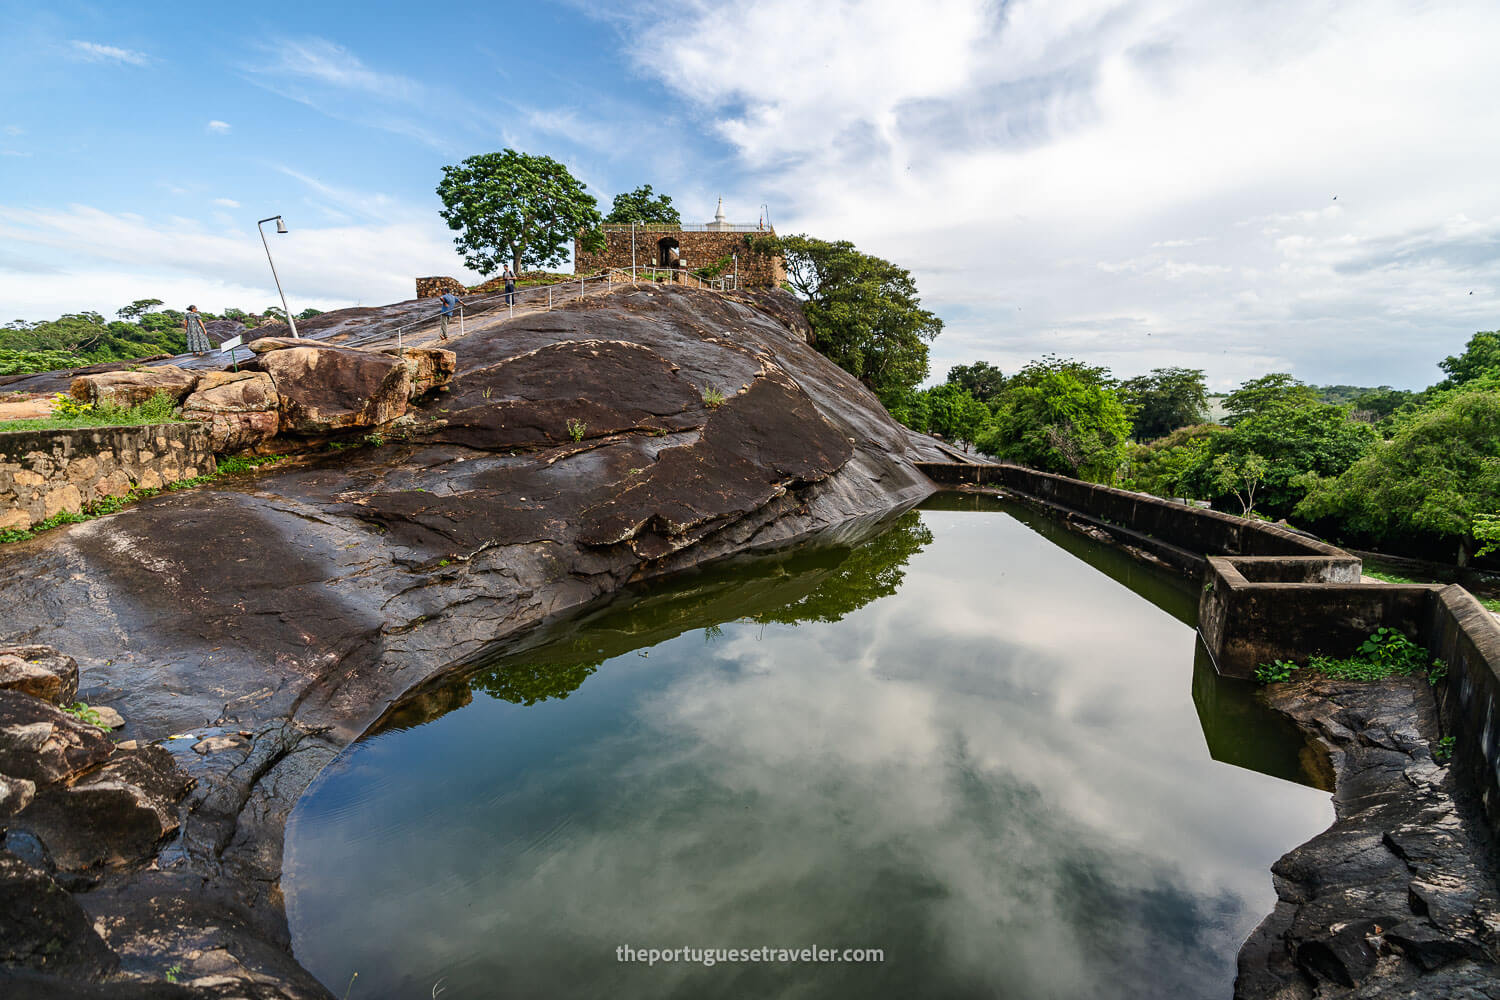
14	130
123	258
227	202
1144	183
219	127
94	52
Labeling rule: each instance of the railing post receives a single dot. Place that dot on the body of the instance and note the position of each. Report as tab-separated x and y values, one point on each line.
549	298
460	319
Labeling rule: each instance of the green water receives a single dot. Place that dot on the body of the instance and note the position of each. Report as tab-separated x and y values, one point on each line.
979	743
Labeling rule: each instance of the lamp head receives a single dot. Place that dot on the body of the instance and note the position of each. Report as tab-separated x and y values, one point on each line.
280	224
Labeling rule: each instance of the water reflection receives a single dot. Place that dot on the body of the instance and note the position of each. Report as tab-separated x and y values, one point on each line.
956	743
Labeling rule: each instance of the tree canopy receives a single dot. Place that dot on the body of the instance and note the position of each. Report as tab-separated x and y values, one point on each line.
981	380
516	208
641	206
1480	356
1062	416
1438	475
865	313
1165	400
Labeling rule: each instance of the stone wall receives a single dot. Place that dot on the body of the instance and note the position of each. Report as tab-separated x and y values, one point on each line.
431	288
43	473
697	249
1268	593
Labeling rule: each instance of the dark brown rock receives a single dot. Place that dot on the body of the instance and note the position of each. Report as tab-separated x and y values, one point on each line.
42	928
43	744
1398	898
298	604
115	815
39	671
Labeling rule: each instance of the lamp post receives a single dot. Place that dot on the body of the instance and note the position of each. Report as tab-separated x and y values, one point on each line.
280	228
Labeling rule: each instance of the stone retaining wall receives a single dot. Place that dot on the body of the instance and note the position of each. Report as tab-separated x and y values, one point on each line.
45	472
1269	593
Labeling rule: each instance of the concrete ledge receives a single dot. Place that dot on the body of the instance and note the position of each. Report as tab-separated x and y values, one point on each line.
1464	635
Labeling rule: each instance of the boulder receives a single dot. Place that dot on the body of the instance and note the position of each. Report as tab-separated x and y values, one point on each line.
15	794
326	389
129	388
429	367
43	928
43	744
39	671
114	815
240	409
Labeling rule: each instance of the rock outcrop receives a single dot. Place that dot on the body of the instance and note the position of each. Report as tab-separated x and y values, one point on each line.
240	409
130	388
327	389
1404	854
39	671
275	617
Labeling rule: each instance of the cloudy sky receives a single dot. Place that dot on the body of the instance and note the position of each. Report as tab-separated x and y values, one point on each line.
1305	186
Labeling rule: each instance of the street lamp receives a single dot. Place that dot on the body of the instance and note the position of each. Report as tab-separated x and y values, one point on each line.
280	228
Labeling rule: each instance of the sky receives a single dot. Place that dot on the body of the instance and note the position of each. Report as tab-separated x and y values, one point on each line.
1301	186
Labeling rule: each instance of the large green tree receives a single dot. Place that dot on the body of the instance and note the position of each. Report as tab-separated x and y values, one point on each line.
1281	422
1165	400
981	380
641	205
865	313
955	414
1481	355
1060	416
515	208
1438	477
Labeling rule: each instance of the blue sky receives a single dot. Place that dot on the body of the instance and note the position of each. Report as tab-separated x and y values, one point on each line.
1136	182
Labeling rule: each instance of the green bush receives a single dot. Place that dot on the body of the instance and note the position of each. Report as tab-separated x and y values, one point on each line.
1386	653
27	362
67	412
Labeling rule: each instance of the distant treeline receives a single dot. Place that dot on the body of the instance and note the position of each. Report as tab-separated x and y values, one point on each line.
143	328
1411	472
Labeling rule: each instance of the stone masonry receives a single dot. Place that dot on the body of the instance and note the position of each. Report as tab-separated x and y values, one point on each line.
43	473
696	249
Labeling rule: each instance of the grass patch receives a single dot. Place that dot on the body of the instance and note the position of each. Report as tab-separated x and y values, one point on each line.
1385	577
1386	653
713	398
69	414
113	505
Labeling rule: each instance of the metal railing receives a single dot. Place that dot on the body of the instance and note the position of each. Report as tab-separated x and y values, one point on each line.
689	227
544	298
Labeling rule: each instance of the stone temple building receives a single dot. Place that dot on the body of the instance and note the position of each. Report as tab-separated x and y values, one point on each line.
720	244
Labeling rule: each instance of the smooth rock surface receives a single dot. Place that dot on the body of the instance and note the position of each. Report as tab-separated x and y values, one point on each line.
299	602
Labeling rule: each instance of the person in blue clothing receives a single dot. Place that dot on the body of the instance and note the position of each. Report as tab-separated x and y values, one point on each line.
451	306
510	286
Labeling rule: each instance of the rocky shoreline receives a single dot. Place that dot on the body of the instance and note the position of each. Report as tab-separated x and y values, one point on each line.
271	619
1398	898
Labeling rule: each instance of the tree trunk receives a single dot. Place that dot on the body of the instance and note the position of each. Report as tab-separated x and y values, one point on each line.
1463	552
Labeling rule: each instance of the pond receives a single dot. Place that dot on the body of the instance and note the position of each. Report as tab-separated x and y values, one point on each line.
978	744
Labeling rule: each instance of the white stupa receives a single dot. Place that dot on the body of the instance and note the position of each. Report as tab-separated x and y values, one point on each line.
720	224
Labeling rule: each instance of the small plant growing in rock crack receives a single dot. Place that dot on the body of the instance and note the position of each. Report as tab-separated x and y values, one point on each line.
577	429
713	398
173	972
375	440
487	390
1443	752
84	713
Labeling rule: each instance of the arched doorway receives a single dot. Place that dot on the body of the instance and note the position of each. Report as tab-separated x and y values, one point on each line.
668	252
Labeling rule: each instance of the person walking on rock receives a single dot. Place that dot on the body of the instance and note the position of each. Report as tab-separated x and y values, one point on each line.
510	286
451	306
197	336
